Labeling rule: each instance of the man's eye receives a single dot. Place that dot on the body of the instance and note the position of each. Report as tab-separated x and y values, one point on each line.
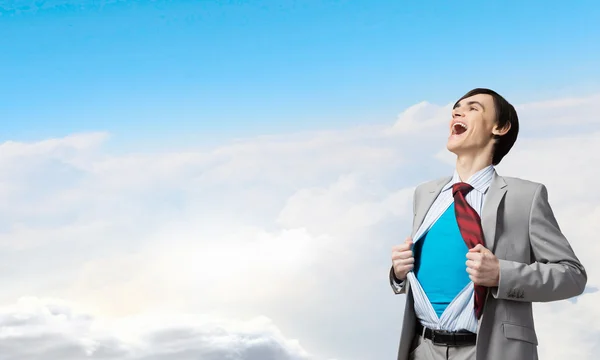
473	108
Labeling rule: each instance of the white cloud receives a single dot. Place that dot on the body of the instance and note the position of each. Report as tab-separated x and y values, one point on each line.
57	148
567	111
421	117
296	228
51	329
344	206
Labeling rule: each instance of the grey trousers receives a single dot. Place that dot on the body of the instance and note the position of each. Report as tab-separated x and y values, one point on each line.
424	349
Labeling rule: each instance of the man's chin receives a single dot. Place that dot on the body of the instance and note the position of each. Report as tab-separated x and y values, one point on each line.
453	147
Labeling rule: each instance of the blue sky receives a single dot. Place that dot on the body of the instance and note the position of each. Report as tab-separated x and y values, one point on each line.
202	70
99	239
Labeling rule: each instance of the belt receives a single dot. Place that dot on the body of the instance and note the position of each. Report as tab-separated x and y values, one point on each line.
447	338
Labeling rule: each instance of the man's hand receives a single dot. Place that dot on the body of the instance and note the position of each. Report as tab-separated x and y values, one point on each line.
402	259
483	266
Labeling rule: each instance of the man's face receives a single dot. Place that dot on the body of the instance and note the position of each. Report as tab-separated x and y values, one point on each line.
472	125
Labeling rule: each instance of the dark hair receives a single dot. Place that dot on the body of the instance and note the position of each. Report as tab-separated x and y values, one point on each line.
505	115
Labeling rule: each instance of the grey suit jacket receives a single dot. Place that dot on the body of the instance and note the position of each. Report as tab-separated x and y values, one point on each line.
536	264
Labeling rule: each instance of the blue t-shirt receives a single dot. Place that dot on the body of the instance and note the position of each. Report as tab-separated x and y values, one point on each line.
440	257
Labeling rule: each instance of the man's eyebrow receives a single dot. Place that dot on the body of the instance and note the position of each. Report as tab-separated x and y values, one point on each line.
476	103
470	103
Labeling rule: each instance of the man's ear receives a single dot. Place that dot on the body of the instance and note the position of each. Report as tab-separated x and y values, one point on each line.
497	132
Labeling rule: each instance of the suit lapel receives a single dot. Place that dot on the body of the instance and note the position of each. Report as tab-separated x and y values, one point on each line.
489	214
425	200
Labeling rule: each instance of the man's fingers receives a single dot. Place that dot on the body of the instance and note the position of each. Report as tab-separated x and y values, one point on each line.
478	248
474	256
402	255
403	266
402	247
404	260
473	264
401	269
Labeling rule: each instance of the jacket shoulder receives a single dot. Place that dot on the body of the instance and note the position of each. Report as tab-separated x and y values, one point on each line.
522	187
521	183
432	184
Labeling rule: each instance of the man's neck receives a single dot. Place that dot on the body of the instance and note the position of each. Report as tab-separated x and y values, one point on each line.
467	166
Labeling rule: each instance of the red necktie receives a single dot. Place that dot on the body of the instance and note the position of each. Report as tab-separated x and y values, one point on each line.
469	224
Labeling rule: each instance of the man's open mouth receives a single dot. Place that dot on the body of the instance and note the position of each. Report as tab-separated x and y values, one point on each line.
459	128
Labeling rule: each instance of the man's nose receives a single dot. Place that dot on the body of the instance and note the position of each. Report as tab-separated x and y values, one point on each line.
457	113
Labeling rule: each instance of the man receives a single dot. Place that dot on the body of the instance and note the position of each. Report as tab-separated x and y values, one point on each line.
483	249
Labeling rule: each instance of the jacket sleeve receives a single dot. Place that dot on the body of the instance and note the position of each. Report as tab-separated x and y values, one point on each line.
400	287
555	274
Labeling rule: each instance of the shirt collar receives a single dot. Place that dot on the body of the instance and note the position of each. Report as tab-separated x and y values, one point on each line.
480	181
